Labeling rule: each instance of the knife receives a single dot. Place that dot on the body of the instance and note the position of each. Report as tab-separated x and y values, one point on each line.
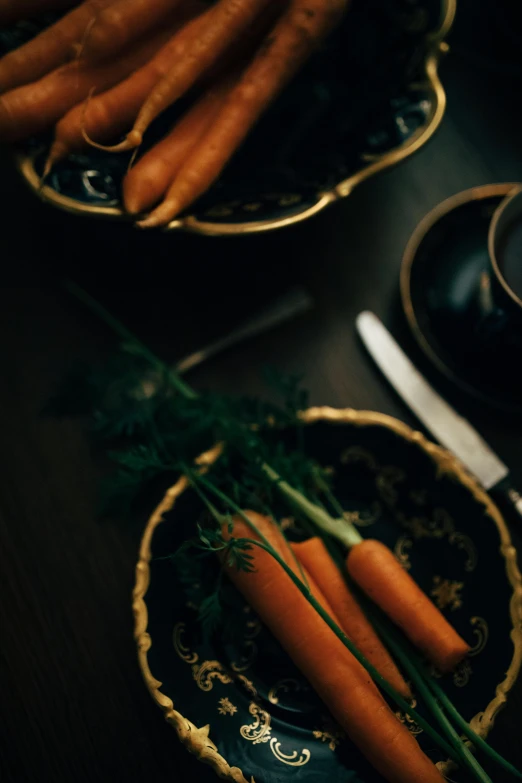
445	424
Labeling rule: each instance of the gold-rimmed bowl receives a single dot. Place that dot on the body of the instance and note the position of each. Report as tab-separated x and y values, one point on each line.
327	132
241	707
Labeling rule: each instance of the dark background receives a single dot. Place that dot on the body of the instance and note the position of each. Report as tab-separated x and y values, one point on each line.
73	706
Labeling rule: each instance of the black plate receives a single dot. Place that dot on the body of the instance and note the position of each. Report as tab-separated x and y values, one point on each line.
440	280
259	717
366	100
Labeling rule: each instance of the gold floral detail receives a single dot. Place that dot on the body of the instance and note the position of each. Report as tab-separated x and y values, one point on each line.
447	593
247	658
259	731
386	482
481	632
182	650
226	707
286	686
364	518
419	497
358	454
293	759
330	733
464	542
247	684
400	550
408	721
207	672
462	673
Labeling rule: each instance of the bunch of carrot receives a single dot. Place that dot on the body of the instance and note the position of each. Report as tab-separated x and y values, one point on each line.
111	67
302	595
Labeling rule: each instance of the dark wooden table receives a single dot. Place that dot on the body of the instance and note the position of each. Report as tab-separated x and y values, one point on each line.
73	706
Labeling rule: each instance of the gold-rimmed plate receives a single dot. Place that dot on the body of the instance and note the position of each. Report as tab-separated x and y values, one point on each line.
369	99
238	703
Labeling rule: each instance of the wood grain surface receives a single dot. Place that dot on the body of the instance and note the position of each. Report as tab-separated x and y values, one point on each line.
72	705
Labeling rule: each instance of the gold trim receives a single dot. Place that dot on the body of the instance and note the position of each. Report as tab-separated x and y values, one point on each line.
197	740
493	228
436	47
410	253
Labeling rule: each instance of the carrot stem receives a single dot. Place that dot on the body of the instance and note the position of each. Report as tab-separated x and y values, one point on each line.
378	679
423	680
344	531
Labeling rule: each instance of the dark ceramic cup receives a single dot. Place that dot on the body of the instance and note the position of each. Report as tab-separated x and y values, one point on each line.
500	289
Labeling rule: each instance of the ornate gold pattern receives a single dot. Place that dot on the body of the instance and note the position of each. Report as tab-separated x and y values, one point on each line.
329	732
197	740
446	592
226	707
259	730
246	660
287	685
293	759
402	544
364	518
182	650
462	673
207	672
465	543
410	724
481	632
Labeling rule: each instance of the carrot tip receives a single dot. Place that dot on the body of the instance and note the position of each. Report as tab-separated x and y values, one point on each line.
161	216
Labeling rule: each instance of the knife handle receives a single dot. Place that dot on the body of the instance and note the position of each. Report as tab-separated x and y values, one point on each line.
507	495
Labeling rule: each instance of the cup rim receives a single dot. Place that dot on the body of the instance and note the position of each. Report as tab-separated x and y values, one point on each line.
492	237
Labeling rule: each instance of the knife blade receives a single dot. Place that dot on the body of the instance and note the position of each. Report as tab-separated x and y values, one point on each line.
446	425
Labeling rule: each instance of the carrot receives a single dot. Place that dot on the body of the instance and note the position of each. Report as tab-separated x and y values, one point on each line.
35	107
123	22
148	181
337	677
224	23
376	570
270	530
283	52
315	557
15	10
109	114
50	49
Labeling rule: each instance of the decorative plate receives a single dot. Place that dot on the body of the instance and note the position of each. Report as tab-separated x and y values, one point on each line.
366	101
241	706
441	283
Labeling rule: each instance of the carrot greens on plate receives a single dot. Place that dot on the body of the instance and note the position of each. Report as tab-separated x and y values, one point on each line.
319	603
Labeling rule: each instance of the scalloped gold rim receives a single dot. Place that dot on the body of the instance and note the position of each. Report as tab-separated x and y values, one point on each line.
197	740
436	47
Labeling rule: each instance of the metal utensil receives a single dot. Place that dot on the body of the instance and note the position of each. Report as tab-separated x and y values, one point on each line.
296	301
449	428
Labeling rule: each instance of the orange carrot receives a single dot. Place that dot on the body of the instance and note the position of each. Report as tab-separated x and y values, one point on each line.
270	530
35	107
315	557
293	39
376	570
109	114
334	673
147	182
15	10
225	23
122	23
50	49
